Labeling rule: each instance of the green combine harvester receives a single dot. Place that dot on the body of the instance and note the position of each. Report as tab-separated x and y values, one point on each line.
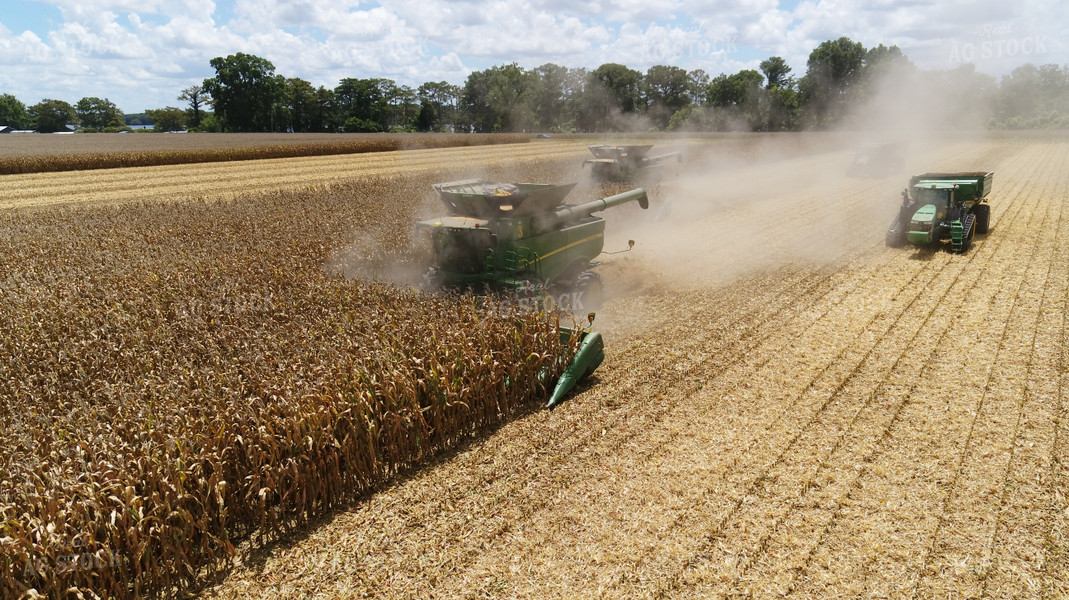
521	243
624	163
878	159
940	207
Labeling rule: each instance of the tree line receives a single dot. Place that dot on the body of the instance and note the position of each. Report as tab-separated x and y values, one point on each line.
842	81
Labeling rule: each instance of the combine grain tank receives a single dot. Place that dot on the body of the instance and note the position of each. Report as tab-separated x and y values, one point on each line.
939	207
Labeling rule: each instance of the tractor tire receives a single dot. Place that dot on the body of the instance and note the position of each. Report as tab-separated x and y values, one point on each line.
896	234
983	218
590	292
970	232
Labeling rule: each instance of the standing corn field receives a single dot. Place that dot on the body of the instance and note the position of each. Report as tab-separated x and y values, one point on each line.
177	377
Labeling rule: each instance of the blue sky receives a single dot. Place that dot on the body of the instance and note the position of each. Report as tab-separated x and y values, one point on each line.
141	53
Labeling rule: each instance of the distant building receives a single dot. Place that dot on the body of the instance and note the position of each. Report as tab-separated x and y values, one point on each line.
6	129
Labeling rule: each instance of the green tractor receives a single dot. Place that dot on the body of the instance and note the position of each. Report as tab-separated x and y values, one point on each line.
522	244
937	207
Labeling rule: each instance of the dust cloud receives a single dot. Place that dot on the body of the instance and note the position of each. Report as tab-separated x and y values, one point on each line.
757	202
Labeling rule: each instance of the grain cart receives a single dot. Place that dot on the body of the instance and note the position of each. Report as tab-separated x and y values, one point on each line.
520	240
623	163
937	207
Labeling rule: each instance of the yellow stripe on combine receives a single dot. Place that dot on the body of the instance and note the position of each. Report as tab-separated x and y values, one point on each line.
571	245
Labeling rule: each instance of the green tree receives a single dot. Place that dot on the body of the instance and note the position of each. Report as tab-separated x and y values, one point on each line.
667	90
511	97
358	125
612	93
1031	97
782	94
499	99
196	97
554	97
739	100
167	119
475	112
50	116
438	106
244	92
95	113
777	73
833	70
698	86
367	100
13	112
403	106
300	101
324	114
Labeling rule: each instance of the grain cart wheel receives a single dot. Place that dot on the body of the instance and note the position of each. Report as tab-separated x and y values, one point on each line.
590	292
983	218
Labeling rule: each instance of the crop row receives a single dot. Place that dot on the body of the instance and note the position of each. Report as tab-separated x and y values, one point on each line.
179	377
54	162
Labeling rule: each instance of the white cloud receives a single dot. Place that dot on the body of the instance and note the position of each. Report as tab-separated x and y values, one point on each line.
142	53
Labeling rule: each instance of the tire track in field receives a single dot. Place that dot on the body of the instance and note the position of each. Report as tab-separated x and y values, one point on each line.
783	494
1055	572
1012	557
946	566
748	562
867	547
812	384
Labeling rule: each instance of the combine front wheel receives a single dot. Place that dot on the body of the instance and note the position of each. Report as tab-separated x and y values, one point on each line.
589	291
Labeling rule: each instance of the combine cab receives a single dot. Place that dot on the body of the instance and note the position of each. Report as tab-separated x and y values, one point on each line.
624	163
520	241
938	207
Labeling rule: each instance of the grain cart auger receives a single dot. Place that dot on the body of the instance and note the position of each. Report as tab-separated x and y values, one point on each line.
937	207
519	241
622	163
